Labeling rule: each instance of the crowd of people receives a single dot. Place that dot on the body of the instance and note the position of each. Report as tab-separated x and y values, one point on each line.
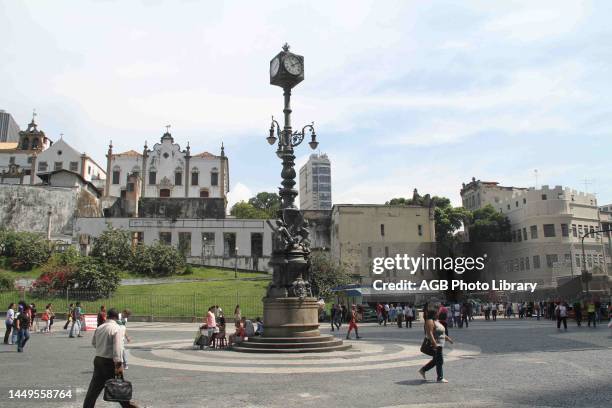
213	334
22	319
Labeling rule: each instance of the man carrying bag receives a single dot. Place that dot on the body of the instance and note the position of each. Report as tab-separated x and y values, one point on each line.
108	365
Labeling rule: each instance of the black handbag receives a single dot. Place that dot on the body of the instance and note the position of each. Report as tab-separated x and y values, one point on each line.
426	347
117	389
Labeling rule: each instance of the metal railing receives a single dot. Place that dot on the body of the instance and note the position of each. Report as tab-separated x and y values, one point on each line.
146	306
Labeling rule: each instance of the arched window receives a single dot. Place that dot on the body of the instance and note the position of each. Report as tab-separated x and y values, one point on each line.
136	171
178	176
25	143
214	177
34	143
164	192
116	174
152	176
195	176
204	193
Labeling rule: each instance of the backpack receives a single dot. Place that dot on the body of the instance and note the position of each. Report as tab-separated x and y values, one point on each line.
15	320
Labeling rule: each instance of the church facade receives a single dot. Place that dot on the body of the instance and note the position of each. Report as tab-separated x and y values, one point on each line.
167	171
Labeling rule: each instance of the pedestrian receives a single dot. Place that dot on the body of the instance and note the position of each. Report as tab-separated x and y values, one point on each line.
102	315
399	312
435	333
536	306
353	323
108	362
385	313
487	311
69	316
443	317
34	317
76	321
561	313
237	314
464	316
332	316
338	317
391	313
591	314
23	323
379	313
211	325
457	314
122	321
48	317
494	312
8	322
578	313
408	315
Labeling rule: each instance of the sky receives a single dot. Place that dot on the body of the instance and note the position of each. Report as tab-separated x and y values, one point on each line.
404	95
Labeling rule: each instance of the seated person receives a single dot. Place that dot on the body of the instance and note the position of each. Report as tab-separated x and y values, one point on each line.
239	335
259	329
249	327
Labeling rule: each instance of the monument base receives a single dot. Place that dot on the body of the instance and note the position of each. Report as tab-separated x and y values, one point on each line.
291	325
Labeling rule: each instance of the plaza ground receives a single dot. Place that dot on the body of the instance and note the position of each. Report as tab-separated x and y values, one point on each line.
508	363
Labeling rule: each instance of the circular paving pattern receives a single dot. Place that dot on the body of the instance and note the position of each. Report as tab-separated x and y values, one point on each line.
375	354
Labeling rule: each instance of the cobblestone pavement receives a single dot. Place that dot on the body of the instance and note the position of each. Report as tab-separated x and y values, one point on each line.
508	363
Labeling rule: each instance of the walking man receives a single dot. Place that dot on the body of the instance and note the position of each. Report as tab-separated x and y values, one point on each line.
23	322
108	363
353	323
561	312
76	321
591	314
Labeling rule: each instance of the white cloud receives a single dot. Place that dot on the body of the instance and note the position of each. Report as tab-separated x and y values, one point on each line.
239	192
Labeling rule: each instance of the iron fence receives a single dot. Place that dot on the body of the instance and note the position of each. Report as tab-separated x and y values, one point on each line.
147	306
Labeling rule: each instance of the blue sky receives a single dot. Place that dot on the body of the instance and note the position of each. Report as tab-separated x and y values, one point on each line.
403	94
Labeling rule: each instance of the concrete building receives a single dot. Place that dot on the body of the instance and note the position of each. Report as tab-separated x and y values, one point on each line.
547	227
227	243
18	159
478	194
361	232
168	171
315	183
9	129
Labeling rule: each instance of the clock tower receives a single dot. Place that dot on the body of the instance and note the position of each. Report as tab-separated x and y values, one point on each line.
286	69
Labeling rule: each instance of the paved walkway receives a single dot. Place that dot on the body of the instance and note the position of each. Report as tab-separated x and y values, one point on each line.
508	363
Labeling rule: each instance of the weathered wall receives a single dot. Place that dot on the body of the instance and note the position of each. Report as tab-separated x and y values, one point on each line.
175	208
25	208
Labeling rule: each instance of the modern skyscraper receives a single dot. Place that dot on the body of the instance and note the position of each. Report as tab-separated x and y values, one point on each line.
9	129
315	183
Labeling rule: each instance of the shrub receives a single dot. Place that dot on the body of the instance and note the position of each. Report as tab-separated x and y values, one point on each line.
6	283
114	247
30	250
96	277
8	240
157	260
326	274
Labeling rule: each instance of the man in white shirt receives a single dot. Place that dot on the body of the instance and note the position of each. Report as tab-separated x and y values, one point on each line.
108	363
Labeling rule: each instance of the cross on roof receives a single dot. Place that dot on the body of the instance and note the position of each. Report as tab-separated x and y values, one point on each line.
167	128
34	114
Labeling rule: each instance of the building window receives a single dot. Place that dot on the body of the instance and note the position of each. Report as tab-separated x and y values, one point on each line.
524	234
229	244
420	229
574	231
74	166
564	230
522	264
519	237
549	230
130	187
516	204
137	238
208	243
28	172
195	177
551	259
536	262
30	158
58	166
544	197
525	202
527	263
382	230
369	252
513	236
165	238
533	231
152	177
256	244
203	193
164	192
184	243
88	169
178	178
116	175
25	143
214	178
35	144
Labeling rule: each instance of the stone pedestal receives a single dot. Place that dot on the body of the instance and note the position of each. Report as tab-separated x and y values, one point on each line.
291	325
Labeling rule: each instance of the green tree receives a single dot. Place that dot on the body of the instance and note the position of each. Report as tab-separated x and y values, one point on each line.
448	219
114	247
268	202
326	275
248	211
98	278
157	260
30	250
489	225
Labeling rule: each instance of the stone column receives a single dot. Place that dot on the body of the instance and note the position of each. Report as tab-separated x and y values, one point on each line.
109	174
187	172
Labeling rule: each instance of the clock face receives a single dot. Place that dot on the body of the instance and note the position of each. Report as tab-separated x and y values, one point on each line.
274	65
293	65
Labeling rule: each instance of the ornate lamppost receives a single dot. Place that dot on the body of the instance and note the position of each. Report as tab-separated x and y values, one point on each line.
291	313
